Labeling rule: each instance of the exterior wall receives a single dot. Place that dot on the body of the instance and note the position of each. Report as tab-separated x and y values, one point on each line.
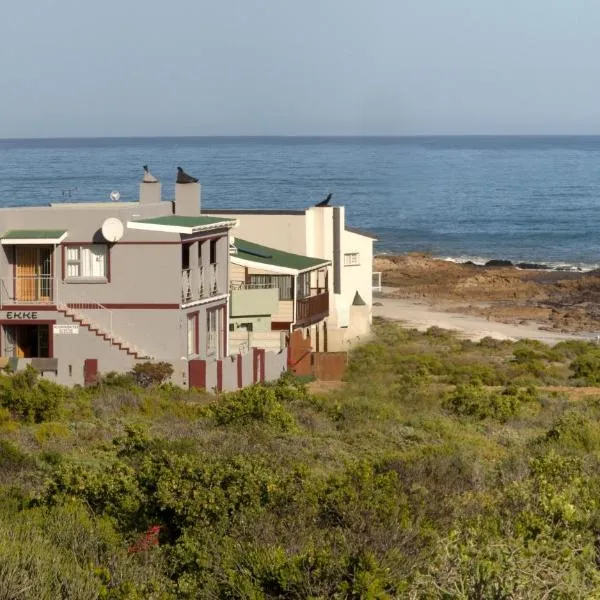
312	233
236	272
275	365
284	312
201	311
247	375
254	302
285	231
271	364
357	278
259	324
230	373
242	341
71	350
140	299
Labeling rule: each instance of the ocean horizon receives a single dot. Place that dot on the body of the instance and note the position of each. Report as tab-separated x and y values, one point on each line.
524	198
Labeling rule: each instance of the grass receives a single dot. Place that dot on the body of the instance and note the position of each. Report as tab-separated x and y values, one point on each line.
440	468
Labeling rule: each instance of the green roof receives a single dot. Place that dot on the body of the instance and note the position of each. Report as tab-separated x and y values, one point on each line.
275	258
179	221
48	235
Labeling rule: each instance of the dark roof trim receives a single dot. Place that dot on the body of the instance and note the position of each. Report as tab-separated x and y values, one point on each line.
233	211
361	232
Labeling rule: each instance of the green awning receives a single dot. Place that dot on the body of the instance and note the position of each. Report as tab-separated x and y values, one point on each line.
34	236
272	259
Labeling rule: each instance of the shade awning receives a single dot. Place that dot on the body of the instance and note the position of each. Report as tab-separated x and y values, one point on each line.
250	254
33	236
182	225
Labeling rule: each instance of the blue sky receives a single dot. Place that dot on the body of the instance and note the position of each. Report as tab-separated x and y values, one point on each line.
316	67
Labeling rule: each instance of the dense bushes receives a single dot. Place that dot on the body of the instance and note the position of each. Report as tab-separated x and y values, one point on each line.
426	476
30	398
482	403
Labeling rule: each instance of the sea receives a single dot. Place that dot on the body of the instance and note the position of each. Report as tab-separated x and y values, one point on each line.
479	198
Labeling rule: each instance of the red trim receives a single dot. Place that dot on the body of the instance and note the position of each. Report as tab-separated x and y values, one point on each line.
50	324
90	371
240	379
220	375
254	365
261	353
28	307
146	243
280	326
201	239
136	306
40	307
197	373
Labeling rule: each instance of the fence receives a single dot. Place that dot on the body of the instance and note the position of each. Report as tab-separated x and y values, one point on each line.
237	371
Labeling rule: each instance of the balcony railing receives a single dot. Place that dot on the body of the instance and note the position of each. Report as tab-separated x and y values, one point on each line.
236	284
312	309
27	289
200	283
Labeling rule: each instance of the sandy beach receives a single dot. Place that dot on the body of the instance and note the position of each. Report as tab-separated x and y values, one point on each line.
500	302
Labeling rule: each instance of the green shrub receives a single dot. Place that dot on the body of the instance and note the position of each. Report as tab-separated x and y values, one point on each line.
257	403
118	380
30	398
147	374
481	403
586	367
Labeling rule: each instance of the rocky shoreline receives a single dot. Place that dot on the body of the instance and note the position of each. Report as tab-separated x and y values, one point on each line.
559	300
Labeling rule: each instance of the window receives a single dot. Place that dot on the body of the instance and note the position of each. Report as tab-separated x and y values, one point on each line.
303	285
283	282
351	259
185	257
192	334
214	324
87	262
213	252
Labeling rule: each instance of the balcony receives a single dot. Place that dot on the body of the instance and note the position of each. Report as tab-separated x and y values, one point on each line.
199	284
253	299
27	289
312	309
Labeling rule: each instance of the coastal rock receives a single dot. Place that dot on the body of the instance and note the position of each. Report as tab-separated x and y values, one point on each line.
536	266
496	262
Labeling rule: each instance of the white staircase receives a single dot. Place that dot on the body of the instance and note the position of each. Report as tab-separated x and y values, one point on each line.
83	314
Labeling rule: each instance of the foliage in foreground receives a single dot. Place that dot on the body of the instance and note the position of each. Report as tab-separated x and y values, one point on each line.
443	469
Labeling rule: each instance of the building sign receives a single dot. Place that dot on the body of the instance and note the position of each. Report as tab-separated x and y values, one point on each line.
26	315
66	329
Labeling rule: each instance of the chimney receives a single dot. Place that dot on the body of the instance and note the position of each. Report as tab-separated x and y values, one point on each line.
150	188
187	199
150	193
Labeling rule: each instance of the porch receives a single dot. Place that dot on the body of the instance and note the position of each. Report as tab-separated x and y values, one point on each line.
27	289
312	309
200	283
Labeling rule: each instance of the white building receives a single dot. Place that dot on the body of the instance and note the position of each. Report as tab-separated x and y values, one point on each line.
320	232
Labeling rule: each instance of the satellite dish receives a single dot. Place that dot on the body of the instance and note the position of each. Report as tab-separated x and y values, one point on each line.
112	229
115	196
